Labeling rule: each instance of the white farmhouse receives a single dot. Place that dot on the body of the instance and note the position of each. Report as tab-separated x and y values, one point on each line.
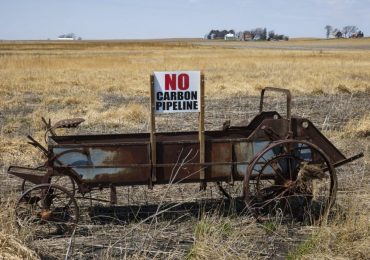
229	36
67	37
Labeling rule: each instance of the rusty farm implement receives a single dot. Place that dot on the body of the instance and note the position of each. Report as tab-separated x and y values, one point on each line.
277	158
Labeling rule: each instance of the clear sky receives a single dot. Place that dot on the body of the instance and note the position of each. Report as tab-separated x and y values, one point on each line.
142	19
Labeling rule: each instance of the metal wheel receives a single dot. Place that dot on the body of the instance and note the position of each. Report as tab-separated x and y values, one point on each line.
291	177
47	209
64	181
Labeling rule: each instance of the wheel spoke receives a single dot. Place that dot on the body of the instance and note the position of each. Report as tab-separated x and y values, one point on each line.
51	212
287	180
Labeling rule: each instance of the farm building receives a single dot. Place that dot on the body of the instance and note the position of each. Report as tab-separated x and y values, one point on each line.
67	37
229	36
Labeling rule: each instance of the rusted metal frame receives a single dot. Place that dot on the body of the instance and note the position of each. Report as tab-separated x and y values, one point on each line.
225	140
234	169
31	177
48	126
24	168
49	169
113	195
94	199
223	191
288	101
345	161
37	145
315	136
90	186
202	155
273	136
153	141
98	144
145	165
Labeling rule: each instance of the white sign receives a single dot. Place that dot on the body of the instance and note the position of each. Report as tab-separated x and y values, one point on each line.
177	91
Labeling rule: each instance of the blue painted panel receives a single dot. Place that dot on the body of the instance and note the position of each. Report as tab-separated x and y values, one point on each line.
258	146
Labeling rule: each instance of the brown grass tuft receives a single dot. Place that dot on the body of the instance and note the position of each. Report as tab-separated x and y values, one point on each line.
347	236
359	128
12	242
13	248
130	115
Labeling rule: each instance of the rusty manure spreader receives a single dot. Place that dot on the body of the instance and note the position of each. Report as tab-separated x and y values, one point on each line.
276	158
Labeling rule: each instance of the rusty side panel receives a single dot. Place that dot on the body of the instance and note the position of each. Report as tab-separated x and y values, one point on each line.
243	153
179	155
125	159
106	164
219	152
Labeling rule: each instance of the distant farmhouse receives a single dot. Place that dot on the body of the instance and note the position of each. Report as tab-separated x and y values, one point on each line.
258	34
246	36
68	37
221	35
229	37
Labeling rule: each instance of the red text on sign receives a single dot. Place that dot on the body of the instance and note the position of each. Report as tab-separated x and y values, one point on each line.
172	83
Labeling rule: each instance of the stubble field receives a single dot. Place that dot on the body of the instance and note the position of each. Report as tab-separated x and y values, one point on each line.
107	83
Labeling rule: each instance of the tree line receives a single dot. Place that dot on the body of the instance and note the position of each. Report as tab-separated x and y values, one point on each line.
254	34
348	31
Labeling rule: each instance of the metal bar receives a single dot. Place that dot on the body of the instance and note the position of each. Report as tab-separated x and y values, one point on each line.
37	145
95	199
97	144
146	165
153	142
345	161
113	195
224	140
288	102
25	168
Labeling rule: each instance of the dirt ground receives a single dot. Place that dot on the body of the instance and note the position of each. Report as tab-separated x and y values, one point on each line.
160	223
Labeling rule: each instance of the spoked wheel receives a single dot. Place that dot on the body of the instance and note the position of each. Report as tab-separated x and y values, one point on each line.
47	210
293	178
64	181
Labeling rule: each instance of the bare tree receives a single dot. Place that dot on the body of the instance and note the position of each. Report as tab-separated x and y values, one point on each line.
264	34
337	33
328	29
352	30
345	30
271	34
349	30
360	34
257	33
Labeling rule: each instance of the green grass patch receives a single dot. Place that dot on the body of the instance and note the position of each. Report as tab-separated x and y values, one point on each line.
304	248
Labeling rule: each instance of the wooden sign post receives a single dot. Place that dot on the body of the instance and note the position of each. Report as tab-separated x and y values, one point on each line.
175	92
153	141
201	135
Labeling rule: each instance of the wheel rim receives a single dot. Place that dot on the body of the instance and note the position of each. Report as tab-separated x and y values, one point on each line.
296	184
47	209
64	181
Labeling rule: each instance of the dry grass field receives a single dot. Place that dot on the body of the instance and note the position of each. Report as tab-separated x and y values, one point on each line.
107	83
